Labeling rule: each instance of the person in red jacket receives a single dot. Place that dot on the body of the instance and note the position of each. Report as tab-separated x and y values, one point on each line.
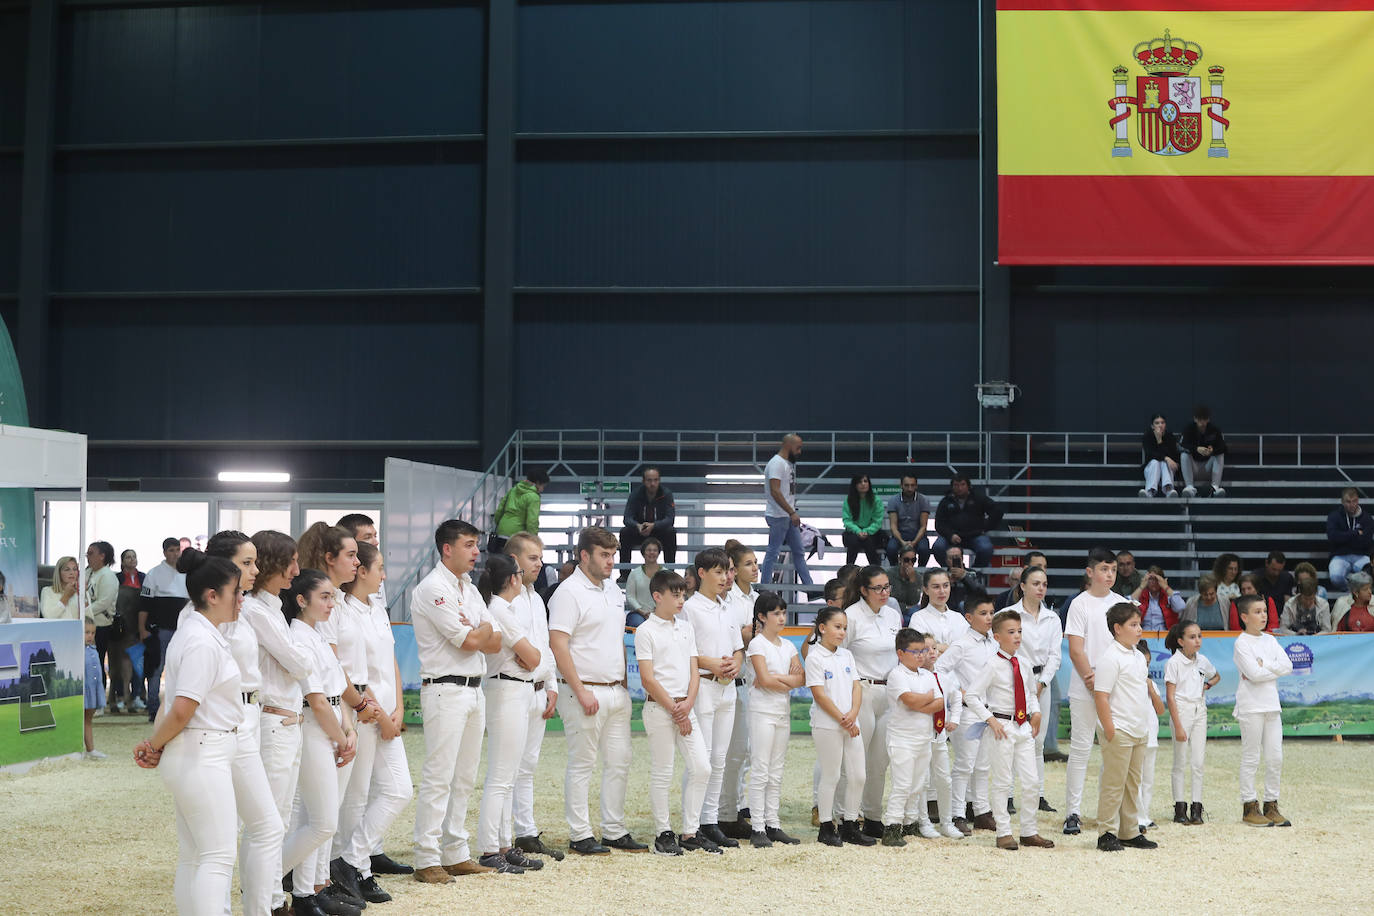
1248	587
1159	604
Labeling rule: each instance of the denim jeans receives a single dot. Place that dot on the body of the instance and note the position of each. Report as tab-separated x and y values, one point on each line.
164	638
779	530
1342	565
981	547
893	549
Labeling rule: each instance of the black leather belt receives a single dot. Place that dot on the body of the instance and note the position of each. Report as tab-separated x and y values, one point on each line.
361	688
508	677
739	682
452	679
333	701
876	683
1002	715
250	696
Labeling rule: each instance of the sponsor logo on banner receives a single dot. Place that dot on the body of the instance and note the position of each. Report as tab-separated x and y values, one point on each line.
1170	103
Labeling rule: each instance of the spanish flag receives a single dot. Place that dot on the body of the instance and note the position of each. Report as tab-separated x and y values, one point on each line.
1157	132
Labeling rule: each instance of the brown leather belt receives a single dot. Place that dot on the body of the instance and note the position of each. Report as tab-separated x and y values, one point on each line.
594	683
649	699
287	717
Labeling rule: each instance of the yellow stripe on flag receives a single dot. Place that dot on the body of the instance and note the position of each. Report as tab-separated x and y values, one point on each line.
1298	83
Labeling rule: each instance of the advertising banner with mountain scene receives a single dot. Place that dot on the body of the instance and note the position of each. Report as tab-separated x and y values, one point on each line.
1215	132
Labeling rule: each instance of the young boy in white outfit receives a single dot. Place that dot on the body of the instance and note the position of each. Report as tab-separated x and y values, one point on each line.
1261	661
666	649
965	657
913	701
1003	696
943	724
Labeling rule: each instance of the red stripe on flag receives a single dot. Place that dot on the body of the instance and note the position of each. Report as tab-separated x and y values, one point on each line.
1204	6
1106	219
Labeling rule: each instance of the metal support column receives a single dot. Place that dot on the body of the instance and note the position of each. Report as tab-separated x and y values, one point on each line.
498	280
994	280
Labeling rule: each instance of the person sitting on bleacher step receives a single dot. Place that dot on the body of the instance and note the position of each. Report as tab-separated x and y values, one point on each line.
1203	447
1350	537
963	519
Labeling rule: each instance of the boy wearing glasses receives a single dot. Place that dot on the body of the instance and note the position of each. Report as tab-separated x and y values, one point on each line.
913	700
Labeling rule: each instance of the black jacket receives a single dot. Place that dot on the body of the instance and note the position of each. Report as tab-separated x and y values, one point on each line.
977	515
662	511
1210	436
1158	451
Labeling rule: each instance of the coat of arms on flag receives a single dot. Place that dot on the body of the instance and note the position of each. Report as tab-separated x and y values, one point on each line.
1169	102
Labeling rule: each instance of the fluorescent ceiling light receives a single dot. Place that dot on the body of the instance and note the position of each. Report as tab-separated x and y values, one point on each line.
733	478
254	477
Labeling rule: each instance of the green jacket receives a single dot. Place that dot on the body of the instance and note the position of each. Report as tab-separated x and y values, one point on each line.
518	511
870	518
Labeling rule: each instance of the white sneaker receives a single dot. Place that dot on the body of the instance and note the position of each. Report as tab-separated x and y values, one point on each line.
139	705
96	755
1143	494
1219	491
926	829
122	707
1170	493
1190	491
99	711
948	829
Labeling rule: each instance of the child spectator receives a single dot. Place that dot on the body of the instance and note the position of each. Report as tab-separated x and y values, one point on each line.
1305	614
95	692
1261	661
1187	678
1122	697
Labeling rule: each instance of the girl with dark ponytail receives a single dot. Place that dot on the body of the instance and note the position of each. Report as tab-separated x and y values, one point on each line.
777	672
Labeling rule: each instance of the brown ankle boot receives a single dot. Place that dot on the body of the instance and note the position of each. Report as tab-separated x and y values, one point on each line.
1195	813
1271	811
1251	815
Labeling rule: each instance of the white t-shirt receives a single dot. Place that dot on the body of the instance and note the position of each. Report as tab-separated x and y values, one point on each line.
783	471
716	634
201	667
437	608
872	639
778	660
903	724
282	662
670	645
593	616
1261	661
326	676
833	671
944	626
1087	617
1122	673
1188	675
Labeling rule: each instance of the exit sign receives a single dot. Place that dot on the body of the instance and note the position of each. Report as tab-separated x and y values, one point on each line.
593	487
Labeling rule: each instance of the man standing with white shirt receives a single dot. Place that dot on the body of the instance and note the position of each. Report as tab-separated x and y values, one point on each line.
453	634
780	510
587	636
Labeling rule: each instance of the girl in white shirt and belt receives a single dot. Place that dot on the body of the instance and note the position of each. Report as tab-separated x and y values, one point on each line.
196	738
777	671
1042	641
836	697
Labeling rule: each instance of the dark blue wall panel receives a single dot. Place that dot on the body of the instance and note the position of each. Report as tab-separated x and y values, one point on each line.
732	362
251	72
748	213
10	168
273	219
14	27
750	65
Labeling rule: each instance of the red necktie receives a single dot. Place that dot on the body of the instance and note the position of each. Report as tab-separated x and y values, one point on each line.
1019	688
939	716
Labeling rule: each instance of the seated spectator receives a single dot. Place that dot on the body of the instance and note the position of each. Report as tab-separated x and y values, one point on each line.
908	521
1349	537
962	581
1203	447
1160	458
1013	593
1207	608
1128	578
1226	570
846	574
565	569
518	511
650	512
1159	604
639	600
6	602
1272	580
1306	570
862	516
906	581
62	599
963	519
1305	614
1249	585
1351	613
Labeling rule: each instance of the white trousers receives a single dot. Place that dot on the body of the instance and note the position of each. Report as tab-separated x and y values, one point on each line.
1260	730
604	735
521	814
1158	475
260	843
1147	785
715	710
388	792
354	797
197	767
1013	756
768	736
734	787
1082	726
909	761
315	813
280	749
969	780
507	723
835	748
940	784
1190	755
453	716
873	733
665	738
1046	723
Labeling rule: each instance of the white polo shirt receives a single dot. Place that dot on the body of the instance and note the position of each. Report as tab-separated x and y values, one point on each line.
966	657
741	606
593	616
326	676
201	667
1087	617
778	660
380	646
716	633
1042	640
529	607
437	608
833	671
872	639
1188	675
282	662
244	646
670	645
906	724
945	626
512	631
344	629
1122	673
